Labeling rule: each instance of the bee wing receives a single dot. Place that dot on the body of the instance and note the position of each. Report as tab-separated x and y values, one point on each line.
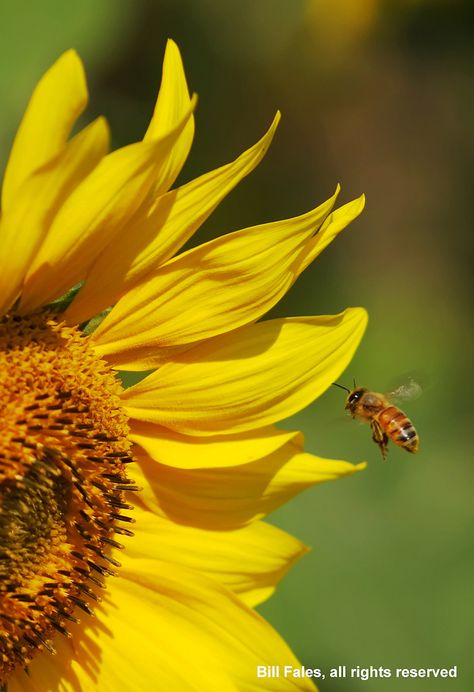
408	391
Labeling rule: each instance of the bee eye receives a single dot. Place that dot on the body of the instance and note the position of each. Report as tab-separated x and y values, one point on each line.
355	396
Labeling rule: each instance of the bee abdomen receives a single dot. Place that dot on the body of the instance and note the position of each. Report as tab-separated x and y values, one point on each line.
399	428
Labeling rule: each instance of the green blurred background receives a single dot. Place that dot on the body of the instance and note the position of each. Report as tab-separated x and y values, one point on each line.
376	94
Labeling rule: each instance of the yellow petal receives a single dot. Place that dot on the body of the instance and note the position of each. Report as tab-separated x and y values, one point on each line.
164	627
160	231
40	197
209	290
58	99
172	104
249	378
227	498
173	449
94	214
334	224
250	561
224	636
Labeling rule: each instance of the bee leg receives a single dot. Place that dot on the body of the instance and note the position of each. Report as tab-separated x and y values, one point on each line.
379	437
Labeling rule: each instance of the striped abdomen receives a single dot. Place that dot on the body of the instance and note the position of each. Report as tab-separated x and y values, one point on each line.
399	428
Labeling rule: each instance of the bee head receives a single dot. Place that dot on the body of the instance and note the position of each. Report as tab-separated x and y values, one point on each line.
354	398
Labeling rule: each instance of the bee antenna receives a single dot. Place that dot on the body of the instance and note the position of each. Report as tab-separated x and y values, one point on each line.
354	381
341	387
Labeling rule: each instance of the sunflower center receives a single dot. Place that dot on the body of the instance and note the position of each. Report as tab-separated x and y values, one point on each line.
63	451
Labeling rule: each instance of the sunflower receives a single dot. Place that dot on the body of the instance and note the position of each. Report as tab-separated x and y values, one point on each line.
82	230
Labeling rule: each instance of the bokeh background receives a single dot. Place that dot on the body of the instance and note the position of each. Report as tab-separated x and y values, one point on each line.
378	95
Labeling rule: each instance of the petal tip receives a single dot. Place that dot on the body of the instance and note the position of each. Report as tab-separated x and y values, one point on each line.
72	56
103	127
358	313
173	61
361	466
172	47
71	60
361	200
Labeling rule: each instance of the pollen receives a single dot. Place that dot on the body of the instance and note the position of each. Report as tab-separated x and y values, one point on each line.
63	454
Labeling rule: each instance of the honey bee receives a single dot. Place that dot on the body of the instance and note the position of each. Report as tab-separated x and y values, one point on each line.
386	420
